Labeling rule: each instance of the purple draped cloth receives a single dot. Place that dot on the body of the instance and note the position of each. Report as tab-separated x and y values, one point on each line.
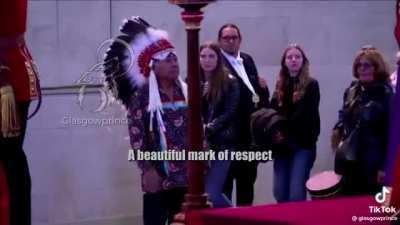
394	135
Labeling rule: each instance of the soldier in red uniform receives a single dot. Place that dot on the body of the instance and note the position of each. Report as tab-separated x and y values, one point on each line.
18	87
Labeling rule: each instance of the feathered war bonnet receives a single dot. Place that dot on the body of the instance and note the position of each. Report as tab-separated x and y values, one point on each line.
128	63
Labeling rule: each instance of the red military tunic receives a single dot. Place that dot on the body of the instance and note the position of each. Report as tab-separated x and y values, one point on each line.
16	56
12	17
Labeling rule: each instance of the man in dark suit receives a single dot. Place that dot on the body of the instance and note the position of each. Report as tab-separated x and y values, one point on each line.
254	94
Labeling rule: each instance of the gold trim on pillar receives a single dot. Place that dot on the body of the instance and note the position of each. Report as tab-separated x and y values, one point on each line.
192	19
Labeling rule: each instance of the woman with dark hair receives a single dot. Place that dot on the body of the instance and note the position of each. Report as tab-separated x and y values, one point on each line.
365	110
297	99
220	102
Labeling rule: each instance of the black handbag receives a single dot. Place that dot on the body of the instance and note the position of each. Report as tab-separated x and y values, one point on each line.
227	134
264	123
346	153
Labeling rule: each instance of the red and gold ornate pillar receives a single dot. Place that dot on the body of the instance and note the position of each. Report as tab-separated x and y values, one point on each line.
192	17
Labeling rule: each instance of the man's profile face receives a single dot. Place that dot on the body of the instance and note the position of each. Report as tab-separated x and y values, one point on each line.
167	68
230	41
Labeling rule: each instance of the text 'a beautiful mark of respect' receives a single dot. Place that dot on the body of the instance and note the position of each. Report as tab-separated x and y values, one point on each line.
182	155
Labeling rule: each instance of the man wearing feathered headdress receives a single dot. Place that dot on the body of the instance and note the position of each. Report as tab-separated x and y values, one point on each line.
142	69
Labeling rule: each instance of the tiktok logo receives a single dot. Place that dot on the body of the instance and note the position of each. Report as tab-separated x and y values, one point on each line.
380	197
383	197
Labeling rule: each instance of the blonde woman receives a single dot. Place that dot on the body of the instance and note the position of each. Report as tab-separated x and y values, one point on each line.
297	98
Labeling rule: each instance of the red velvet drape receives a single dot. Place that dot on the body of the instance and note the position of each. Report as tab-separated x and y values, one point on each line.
4	198
395	198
